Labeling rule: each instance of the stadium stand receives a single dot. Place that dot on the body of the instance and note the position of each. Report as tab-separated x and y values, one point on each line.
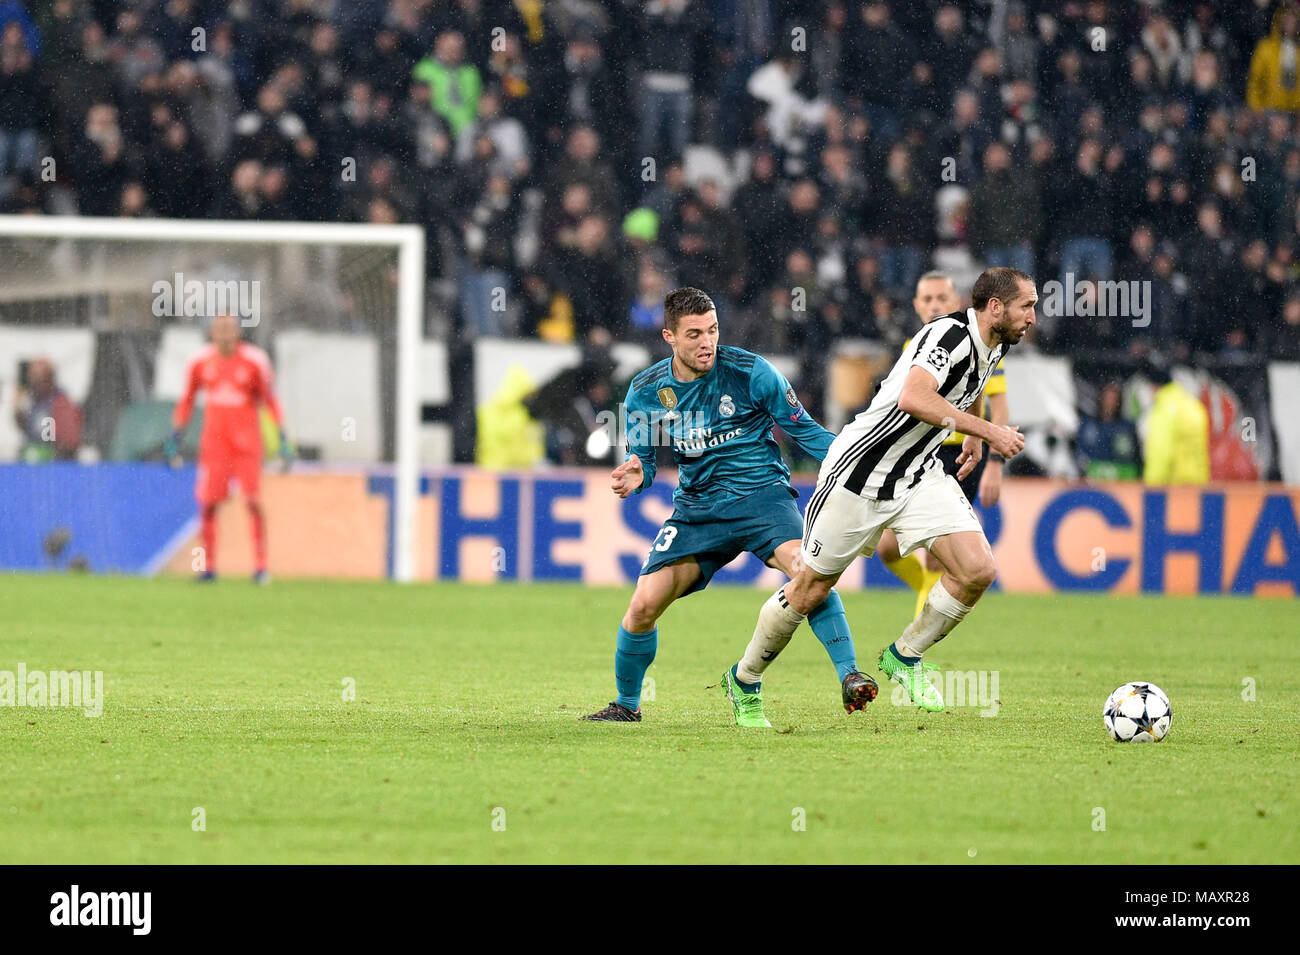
759	146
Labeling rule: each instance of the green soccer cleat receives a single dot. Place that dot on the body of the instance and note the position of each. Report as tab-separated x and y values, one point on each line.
913	679
748	707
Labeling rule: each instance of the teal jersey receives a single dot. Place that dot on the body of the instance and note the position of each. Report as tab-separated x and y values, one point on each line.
720	427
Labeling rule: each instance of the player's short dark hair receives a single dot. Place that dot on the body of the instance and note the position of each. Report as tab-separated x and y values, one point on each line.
1001	283
685	301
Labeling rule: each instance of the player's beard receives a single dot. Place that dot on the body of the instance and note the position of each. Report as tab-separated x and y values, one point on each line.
1005	333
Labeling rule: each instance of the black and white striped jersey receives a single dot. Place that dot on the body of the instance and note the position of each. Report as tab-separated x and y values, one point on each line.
884	452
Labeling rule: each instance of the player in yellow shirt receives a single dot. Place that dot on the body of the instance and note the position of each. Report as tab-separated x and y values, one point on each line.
936	295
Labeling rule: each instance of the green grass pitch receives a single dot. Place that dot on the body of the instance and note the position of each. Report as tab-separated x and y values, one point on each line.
231	699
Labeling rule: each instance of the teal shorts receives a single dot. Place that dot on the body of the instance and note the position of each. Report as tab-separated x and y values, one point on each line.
758	523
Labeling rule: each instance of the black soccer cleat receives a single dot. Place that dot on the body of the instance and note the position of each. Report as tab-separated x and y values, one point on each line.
857	691
614	713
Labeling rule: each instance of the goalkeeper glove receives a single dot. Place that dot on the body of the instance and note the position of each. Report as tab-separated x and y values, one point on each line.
286	451
171	449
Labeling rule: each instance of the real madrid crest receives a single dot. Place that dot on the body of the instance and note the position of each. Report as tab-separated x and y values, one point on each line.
725	407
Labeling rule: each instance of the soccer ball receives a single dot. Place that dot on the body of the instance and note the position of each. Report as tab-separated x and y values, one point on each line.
1138	713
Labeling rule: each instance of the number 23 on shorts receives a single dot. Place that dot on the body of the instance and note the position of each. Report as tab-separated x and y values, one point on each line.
663	540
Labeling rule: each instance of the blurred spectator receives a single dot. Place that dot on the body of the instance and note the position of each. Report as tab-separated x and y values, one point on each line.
22	103
589	275
948	50
1003	213
49	420
901	221
132	51
1018	44
1107	446
241	198
792	107
177	175
669	33
1274	81
455	84
760	207
1085	246
745	30
1210	253
646	313
488	235
581	163
267	133
587	92
1162	44
509	139
14	13
877	54
101	162
569	406
1284	344
1177	440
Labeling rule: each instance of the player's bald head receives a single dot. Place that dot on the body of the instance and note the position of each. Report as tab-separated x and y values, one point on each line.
936	295
224	332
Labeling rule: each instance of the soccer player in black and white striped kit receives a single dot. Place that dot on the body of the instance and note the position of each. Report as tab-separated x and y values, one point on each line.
882	472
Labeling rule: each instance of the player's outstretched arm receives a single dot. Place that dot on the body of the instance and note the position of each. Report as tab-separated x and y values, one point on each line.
921	399
772	392
185	406
181	413
637	472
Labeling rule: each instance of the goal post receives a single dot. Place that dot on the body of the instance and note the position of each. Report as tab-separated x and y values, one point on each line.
19	286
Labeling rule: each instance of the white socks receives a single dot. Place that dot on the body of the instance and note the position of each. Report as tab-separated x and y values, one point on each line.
777	622
942	612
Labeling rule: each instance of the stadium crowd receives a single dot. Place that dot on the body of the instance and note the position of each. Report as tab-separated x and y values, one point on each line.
804	160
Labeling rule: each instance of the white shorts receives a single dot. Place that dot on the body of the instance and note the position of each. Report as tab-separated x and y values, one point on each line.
839	525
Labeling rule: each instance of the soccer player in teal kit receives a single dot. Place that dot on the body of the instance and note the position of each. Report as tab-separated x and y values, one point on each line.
718	405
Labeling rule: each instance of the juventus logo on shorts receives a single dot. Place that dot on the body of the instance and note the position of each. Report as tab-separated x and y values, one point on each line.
816	548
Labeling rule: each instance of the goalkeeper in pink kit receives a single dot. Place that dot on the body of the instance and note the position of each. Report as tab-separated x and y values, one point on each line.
238	380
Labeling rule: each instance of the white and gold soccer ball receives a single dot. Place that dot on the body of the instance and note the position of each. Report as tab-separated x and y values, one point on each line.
1138	713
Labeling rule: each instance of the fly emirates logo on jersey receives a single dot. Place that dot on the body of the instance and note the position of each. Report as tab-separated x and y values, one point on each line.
699	440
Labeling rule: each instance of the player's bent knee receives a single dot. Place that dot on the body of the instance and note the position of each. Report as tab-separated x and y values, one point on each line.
808	590
642	612
980	576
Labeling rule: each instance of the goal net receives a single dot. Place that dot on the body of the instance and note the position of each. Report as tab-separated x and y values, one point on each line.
117	308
